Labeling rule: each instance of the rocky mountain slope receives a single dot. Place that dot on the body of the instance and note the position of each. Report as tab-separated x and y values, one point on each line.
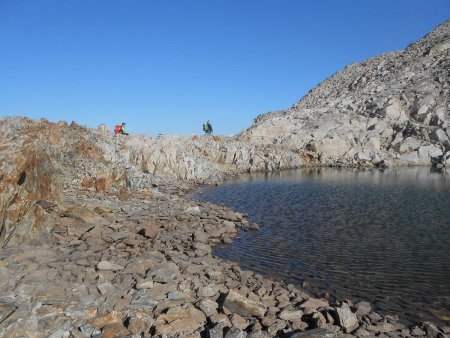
95	242
393	109
41	162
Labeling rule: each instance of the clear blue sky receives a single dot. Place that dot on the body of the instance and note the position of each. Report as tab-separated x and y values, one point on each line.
167	66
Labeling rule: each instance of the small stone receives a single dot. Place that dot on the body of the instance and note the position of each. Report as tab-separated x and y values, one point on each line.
150	229
431	329
116	330
143	303
257	334
239	322
320	333
106	265
139	323
216	331
261	291
273	329
106	288
290	315
208	307
88	331
374	317
111	318
346	318
195	319
363	308
176	295
200	237
299	325
145	284
314	304
164	272
253	226
381	327
220	318
172	314
235	332
320	319
237	303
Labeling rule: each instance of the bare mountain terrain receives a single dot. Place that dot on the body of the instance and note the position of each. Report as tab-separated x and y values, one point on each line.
95	240
391	110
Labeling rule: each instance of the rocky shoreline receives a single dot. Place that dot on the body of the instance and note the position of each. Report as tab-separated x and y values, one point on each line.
140	265
96	240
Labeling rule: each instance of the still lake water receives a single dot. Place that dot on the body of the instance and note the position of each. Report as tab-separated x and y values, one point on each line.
379	236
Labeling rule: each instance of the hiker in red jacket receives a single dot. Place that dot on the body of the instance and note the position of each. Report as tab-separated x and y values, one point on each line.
120	129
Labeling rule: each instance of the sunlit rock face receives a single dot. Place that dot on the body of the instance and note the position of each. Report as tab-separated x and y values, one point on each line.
28	183
43	162
393	109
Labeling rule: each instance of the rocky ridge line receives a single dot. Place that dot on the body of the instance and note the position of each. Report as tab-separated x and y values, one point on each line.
391	110
41	161
96	243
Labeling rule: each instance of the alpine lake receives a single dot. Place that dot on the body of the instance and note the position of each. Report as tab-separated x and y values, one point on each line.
382	236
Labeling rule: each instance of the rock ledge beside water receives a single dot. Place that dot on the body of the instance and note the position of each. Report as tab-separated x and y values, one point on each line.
96	240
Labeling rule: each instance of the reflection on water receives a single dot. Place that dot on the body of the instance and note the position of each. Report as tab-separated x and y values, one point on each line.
382	236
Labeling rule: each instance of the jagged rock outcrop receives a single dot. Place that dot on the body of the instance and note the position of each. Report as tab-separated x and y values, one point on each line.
28	181
40	161
121	255
393	109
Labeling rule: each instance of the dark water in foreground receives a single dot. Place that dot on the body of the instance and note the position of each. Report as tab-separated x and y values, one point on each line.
379	236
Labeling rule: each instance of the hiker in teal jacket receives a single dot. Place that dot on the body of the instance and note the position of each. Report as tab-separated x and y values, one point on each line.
207	128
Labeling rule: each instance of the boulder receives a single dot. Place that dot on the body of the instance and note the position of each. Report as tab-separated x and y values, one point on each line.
346	318
113	317
194	320
363	308
235	332
237	303
290	314
208	307
314	304
163	272
150	229
320	333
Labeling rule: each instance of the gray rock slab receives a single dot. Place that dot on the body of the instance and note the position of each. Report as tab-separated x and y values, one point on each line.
346	318
320	333
164	272
363	308
235	332
6	310
314	304
208	307
106	265
238	303
216	331
290	314
143	303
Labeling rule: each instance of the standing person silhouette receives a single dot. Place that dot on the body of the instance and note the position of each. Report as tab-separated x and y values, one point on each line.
207	128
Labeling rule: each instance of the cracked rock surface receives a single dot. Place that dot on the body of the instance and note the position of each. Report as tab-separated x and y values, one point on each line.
96	239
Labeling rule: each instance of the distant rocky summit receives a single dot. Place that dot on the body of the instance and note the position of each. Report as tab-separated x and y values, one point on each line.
391	110
96	242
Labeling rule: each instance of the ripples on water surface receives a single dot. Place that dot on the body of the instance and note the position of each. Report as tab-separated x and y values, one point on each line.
381	236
